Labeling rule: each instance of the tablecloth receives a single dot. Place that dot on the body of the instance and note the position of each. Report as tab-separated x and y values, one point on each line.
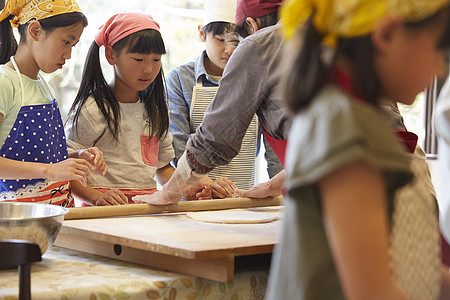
69	274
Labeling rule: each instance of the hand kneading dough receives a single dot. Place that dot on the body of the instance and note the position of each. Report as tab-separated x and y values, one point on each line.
233	216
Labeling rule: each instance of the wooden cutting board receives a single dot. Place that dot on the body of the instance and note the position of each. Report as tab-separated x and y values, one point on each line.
172	242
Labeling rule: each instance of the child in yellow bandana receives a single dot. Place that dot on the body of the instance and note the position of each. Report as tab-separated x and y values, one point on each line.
347	233
34	163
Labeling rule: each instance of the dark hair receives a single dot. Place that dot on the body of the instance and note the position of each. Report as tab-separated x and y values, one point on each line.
231	36
243	29
94	84
217	28
8	44
307	73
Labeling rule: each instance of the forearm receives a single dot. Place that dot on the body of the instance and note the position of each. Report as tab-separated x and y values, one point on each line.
13	169
276	184
219	138
86	193
163	174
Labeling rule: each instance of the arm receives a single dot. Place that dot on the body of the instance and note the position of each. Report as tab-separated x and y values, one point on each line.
96	198
179	114
69	169
163	174
239	96
354	209
271	188
219	137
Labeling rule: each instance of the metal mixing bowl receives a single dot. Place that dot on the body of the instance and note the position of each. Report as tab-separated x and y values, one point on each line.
39	223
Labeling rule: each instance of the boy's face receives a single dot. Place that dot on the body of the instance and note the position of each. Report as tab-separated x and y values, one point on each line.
218	51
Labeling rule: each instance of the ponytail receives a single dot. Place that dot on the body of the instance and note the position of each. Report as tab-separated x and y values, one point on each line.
93	84
308	74
359	51
8	43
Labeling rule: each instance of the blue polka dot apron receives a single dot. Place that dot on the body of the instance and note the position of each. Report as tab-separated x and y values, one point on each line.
37	136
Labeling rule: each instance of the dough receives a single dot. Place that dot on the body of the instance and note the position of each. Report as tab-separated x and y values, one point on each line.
233	216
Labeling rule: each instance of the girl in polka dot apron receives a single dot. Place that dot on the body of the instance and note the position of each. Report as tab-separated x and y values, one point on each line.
34	161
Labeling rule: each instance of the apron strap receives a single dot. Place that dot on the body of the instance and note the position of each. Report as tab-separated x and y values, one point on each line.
16	68
198	84
195	92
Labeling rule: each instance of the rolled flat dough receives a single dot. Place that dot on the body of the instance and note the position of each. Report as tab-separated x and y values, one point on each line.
232	216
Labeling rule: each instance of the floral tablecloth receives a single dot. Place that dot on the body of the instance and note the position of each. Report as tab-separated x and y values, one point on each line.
70	274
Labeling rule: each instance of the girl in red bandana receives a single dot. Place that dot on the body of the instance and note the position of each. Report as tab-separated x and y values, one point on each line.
128	117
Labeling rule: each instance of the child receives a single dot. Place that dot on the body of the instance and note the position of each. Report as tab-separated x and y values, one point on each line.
127	118
344	235
192	87
34	163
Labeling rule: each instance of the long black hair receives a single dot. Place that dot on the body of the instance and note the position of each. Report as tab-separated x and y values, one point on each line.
93	84
307	73
8	43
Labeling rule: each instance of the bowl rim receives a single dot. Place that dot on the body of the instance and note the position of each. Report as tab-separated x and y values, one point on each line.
55	208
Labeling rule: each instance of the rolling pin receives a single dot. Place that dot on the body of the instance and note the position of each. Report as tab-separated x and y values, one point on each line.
182	206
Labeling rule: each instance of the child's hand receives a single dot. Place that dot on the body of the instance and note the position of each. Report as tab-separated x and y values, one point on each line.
95	157
205	193
69	169
223	188
199	192
112	197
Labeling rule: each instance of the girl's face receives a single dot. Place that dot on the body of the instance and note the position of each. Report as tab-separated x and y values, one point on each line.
134	71
53	48
409	60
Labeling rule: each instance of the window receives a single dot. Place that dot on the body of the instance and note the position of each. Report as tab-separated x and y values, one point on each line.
418	117
178	20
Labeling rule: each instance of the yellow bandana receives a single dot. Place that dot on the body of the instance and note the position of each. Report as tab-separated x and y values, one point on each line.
349	18
27	10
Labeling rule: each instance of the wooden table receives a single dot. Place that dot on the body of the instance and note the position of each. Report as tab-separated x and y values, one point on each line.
172	242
